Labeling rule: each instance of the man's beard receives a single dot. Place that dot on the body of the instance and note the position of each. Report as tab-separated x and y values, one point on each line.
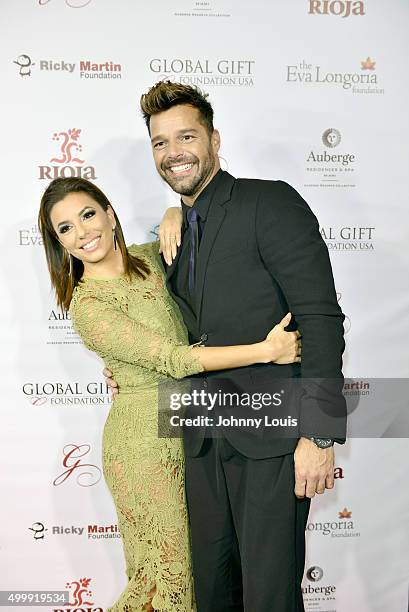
189	186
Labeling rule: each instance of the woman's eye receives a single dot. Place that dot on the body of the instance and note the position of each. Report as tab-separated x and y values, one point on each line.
64	229
89	213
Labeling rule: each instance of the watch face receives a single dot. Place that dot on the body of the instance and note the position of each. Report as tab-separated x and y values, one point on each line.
323	442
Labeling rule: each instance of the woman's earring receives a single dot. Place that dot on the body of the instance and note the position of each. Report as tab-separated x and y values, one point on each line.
114	238
69	264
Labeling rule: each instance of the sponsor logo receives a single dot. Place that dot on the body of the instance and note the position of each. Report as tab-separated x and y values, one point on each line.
80	597
68	161
349	238
93	532
318	597
330	169
70	3
195	71
30	236
60	328
331	138
342	527
96	532
57	393
202	8
336	7
86	474
360	80
38	530
357	387
85	68
314	573
24	63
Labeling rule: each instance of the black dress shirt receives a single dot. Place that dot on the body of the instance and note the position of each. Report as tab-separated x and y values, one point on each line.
180	279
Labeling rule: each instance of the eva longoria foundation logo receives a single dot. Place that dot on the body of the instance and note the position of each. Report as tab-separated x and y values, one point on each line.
363	79
336	7
330	169
200	71
343	527
68	161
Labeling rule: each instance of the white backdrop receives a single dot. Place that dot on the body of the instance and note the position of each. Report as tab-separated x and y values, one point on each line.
279	74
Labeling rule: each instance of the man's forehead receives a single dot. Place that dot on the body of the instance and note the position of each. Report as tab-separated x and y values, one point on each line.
177	116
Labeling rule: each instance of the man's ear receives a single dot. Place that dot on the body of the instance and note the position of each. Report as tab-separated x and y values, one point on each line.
215	139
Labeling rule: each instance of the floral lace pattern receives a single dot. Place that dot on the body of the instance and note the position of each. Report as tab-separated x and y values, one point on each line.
135	326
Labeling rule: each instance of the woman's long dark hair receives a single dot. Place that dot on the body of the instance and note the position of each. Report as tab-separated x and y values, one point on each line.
65	277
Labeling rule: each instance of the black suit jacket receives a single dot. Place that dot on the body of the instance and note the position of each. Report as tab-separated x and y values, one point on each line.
262	255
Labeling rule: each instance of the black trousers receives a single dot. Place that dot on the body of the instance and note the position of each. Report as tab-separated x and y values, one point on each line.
248	531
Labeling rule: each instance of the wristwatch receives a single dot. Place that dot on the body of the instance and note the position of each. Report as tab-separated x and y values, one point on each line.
322	442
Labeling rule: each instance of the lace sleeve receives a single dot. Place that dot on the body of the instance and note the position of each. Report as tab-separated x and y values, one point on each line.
111	333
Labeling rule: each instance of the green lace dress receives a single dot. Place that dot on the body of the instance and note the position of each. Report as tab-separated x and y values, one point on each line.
137	329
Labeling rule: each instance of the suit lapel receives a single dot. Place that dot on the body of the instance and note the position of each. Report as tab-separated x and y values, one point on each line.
214	220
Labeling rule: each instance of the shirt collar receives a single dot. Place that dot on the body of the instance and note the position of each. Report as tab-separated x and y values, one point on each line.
202	203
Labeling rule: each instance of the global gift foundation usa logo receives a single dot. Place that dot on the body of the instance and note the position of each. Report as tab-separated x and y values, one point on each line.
202	71
349	238
80	597
85	474
342	527
58	393
362	79
68	161
327	167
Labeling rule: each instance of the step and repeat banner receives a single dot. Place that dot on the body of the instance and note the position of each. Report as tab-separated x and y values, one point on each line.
307	91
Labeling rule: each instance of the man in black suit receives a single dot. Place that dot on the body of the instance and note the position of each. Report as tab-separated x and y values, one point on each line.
251	251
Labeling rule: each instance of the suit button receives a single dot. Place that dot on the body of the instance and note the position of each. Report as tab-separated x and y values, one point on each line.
204	337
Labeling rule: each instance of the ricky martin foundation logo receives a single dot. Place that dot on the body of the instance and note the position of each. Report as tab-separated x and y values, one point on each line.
330	169
24	63
362	78
338	8
86	68
38	530
236	72
68	159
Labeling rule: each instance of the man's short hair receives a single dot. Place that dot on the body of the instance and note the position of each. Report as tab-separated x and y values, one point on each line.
166	94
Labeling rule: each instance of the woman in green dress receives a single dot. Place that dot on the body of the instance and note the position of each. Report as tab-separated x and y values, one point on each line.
120	307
